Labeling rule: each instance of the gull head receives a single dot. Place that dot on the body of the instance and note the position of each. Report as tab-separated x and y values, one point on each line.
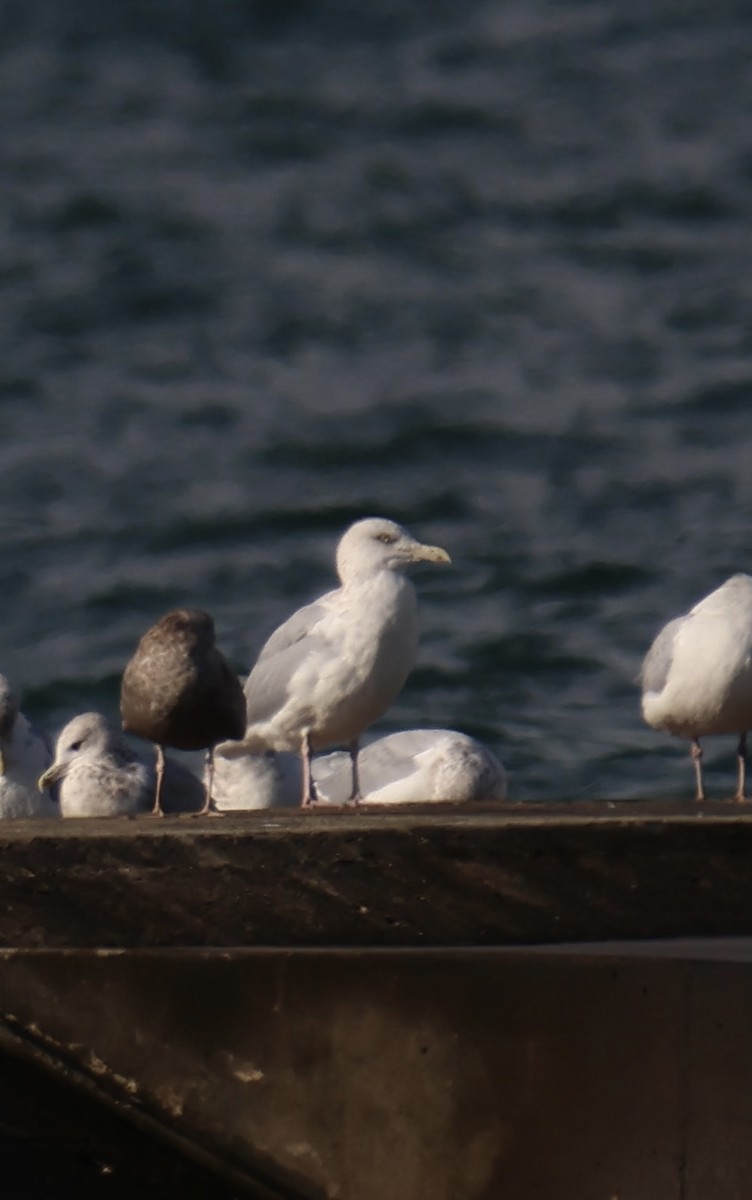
89	735
377	544
191	626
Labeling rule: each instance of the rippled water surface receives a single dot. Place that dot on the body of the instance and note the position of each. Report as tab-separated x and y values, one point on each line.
484	268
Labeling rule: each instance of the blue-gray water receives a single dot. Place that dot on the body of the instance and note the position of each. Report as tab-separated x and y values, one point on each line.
484	268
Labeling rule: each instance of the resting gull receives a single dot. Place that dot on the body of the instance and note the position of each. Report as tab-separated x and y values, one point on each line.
417	765
257	780
98	772
409	767
100	775
697	675
337	664
179	690
24	753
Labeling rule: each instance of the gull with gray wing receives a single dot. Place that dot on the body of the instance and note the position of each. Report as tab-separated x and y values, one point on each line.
99	774
697	675
412	766
337	664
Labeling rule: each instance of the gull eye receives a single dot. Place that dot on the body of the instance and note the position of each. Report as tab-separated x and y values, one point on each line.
76	745
387	538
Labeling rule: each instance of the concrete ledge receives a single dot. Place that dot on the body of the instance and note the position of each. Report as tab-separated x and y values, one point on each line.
533	1075
434	878
140	1011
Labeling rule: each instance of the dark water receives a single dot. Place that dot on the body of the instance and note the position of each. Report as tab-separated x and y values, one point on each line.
484	268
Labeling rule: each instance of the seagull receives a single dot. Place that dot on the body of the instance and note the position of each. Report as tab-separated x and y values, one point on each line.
179	690
697	675
337	664
257	780
100	775
24	753
98	772
410	767
415	766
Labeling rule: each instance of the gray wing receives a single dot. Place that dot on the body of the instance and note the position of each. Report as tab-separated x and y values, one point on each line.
381	763
333	775
657	662
266	688
393	757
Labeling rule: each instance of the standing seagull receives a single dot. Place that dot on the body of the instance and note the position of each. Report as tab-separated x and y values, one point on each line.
337	664
697	675
24	754
179	690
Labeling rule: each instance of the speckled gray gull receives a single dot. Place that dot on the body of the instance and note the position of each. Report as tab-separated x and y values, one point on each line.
409	767
24	753
99	774
179	690
697	675
337	664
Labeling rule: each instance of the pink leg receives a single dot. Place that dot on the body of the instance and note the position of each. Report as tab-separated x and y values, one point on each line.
309	796
157	807
697	760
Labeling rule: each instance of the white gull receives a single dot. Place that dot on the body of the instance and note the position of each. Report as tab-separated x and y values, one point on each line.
415	765
100	775
697	675
24	753
409	767
337	664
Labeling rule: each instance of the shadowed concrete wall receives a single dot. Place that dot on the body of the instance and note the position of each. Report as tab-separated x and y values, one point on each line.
454	1075
462	878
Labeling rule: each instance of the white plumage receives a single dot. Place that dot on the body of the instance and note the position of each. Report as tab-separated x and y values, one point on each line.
100	775
409	767
697	675
24	753
336	665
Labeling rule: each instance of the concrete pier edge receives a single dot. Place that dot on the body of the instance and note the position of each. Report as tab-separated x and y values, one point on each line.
356	1005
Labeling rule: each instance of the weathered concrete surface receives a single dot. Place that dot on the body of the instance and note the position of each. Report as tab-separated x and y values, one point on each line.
518	875
312	1071
57	1142
459	1075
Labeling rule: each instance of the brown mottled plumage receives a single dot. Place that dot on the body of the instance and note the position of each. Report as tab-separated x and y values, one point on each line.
179	690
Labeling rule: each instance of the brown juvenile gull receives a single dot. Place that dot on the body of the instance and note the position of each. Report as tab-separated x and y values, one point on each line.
179	690
336	665
697	675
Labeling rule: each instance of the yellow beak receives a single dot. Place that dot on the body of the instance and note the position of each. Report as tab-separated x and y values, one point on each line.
50	776
430	554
